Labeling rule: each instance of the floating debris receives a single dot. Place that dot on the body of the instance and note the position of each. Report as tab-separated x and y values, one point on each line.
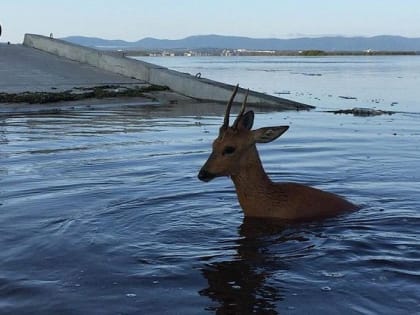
361	111
348	97
312	74
308	74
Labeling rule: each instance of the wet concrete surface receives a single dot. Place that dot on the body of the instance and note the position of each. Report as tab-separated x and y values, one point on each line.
24	69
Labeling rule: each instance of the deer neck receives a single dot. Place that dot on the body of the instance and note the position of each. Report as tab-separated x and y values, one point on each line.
252	182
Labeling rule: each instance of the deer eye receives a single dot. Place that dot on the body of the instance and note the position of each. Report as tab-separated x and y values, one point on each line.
228	150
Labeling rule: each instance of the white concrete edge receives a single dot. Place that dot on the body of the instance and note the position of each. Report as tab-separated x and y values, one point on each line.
186	84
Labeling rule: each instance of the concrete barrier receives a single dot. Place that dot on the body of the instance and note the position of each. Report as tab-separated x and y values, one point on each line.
183	83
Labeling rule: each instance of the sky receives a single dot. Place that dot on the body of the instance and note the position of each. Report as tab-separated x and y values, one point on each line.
132	20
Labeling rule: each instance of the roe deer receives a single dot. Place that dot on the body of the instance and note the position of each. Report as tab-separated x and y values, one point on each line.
235	155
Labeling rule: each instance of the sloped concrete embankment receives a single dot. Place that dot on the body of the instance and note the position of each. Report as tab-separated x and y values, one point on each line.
183	83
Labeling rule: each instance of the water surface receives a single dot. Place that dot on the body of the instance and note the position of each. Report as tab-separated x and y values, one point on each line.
101	213
383	82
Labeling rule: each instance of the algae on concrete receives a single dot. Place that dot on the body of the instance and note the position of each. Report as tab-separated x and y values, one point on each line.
80	93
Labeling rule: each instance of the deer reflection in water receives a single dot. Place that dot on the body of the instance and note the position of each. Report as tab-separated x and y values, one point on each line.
249	282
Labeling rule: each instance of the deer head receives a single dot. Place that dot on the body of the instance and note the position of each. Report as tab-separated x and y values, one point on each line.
231	149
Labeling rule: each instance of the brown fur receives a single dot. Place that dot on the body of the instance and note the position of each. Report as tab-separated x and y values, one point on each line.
260	197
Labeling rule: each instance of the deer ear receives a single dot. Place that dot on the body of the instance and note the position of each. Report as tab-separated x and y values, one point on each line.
246	120
268	134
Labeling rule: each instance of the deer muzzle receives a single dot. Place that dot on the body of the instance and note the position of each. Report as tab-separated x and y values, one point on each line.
205	176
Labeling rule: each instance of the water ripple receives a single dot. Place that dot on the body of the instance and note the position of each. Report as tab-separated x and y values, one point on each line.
103	210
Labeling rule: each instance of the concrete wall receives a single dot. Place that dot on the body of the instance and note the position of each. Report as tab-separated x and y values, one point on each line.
186	84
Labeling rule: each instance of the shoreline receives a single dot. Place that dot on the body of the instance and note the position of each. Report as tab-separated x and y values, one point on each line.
254	53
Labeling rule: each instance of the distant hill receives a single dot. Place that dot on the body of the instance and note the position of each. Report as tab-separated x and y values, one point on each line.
336	43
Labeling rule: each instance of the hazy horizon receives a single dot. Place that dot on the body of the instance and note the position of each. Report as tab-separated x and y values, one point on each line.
244	36
132	20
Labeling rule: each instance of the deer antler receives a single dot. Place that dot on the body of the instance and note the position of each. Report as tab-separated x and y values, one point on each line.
229	106
235	124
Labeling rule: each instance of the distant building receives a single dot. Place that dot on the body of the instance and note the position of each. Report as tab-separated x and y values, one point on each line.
226	53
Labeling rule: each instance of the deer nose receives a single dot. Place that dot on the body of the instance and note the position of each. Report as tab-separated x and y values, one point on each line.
205	176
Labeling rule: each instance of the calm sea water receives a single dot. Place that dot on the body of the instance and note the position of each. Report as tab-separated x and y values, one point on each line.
101	211
387	83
